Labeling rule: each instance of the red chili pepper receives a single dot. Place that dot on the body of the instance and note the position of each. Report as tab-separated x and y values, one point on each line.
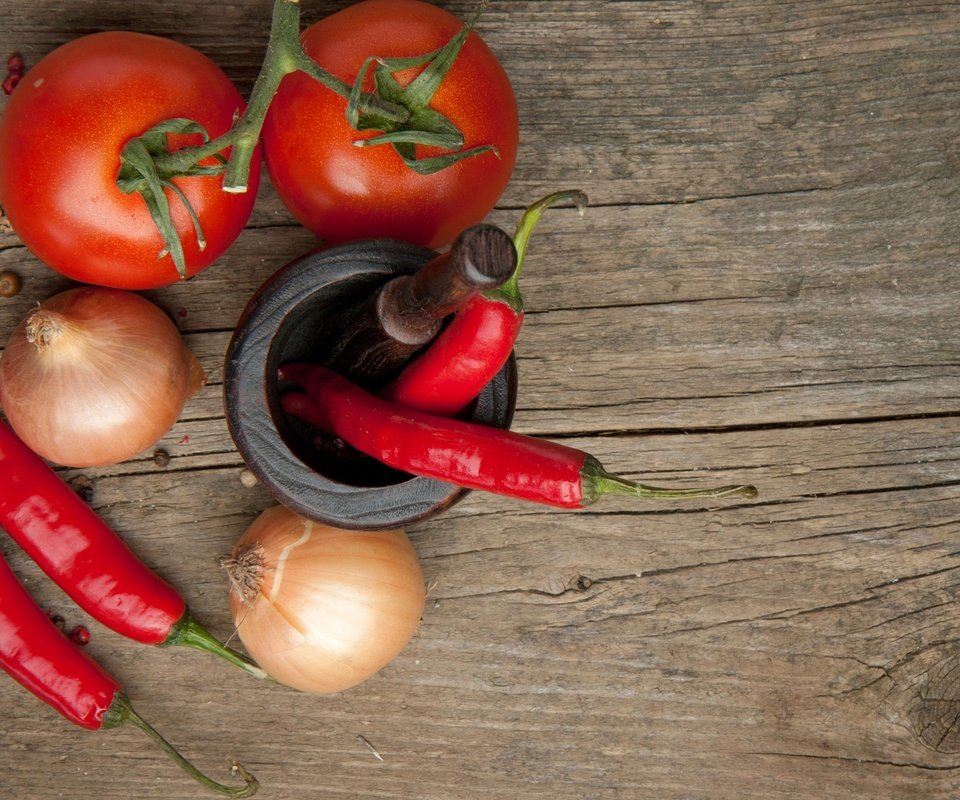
37	654
476	344
86	559
463	453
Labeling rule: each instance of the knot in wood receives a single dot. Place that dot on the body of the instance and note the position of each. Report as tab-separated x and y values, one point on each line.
936	715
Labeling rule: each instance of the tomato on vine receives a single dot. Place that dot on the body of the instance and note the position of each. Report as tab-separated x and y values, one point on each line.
436	166
79	139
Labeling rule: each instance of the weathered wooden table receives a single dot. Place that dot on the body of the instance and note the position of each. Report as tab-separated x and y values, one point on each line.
764	289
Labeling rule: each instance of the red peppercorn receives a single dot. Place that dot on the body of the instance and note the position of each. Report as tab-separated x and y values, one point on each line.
11	82
80	636
15	70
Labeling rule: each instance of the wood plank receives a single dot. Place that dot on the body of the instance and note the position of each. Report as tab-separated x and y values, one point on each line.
657	101
767	312
552	653
762	290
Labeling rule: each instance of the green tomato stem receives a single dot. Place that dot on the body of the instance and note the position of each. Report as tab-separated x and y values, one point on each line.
281	59
284	55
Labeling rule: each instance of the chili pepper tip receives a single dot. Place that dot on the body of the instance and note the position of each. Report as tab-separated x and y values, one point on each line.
125	713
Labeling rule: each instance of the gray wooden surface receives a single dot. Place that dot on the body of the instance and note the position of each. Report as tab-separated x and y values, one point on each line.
764	289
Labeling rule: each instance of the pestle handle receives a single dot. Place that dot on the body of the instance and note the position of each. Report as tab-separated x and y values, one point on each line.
410	308
375	338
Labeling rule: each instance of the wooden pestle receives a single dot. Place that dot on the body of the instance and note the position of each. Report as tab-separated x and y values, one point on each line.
381	333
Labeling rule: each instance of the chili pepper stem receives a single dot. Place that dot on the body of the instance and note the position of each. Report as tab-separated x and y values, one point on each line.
191	633
509	291
598	482
121	712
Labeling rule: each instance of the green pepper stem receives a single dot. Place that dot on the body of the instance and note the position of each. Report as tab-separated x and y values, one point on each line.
190	633
509	291
597	482
121	712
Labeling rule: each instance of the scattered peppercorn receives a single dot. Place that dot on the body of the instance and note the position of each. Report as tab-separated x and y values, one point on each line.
9	284
80	636
57	620
83	486
161	457
15	70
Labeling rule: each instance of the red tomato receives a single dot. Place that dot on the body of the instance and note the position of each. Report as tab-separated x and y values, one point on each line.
60	140
344	192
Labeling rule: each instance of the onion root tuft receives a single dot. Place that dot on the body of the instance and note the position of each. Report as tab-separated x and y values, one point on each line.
44	327
245	571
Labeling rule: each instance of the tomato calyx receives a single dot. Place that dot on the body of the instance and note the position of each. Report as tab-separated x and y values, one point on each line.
142	171
423	125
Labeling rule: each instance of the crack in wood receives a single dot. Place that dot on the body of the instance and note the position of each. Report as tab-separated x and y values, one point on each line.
783	425
689	201
868	761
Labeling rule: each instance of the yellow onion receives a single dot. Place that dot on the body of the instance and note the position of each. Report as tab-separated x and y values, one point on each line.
319	608
93	376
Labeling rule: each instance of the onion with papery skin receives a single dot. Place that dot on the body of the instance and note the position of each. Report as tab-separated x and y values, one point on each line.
319	608
94	376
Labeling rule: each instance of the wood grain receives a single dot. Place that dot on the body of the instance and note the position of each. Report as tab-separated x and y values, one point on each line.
763	289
